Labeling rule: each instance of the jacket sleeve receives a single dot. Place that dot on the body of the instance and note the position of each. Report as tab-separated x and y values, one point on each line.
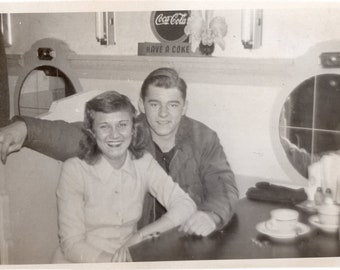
71	219
57	139
218	181
178	204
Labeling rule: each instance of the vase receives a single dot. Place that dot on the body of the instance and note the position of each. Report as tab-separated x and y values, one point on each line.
206	49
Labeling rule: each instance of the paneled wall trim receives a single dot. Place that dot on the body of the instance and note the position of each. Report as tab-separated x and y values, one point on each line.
234	71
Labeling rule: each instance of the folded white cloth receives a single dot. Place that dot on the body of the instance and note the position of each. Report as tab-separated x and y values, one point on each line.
325	173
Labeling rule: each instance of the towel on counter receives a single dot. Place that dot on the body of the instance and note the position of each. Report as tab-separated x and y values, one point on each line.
264	191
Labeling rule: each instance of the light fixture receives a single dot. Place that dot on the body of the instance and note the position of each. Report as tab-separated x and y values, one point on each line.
105	28
6	28
251	31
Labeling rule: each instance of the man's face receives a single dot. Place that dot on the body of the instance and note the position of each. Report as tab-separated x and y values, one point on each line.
163	108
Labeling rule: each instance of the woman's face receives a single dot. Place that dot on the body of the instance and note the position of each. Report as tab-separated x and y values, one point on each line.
113	133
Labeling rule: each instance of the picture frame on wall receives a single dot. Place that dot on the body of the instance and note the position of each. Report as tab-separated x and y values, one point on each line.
6	28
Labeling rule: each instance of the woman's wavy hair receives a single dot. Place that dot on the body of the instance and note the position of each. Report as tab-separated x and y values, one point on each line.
108	102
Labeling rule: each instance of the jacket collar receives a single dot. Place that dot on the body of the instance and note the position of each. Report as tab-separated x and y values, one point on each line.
183	132
183	143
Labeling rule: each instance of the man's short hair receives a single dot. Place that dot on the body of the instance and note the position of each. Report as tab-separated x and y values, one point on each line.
165	78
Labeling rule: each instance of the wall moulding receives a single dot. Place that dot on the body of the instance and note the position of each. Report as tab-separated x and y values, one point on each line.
238	71
15	62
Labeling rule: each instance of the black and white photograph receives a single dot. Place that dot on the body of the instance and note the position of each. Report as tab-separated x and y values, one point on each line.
169	134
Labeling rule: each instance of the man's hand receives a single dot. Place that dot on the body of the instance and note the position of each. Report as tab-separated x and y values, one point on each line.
12	138
200	223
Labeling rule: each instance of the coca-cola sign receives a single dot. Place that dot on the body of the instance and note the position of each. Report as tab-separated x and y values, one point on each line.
168	26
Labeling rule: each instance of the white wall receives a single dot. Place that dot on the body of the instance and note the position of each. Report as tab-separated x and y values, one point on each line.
287	33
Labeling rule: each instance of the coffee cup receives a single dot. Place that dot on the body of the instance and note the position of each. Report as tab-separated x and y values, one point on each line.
283	220
329	214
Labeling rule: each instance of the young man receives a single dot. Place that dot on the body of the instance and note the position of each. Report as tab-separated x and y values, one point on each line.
188	151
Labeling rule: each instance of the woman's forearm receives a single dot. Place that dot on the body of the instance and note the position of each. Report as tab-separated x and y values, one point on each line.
160	225
153	229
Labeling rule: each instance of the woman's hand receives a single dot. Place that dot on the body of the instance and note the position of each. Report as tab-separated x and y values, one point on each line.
134	239
122	255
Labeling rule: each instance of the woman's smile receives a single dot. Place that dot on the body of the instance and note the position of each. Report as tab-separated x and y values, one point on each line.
114	144
113	133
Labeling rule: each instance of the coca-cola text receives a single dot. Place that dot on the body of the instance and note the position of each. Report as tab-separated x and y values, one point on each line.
175	19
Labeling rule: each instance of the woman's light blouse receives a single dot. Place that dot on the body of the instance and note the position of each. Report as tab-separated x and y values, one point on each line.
99	206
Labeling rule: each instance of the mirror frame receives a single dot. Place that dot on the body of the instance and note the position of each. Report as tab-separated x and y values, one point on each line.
31	61
302	68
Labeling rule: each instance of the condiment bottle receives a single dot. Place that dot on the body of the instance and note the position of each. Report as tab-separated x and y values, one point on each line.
328	196
318	196
337	194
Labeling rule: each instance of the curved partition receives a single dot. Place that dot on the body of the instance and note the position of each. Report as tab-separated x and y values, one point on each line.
4	90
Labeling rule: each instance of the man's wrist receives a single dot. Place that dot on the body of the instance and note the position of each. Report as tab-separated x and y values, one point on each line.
140	235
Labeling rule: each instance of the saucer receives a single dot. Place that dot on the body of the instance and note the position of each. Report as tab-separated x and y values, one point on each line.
301	229
308	206
314	220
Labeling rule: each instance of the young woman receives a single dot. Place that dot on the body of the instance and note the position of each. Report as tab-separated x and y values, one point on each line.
101	192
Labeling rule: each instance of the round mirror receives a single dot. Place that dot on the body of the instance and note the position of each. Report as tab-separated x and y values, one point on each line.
310	121
41	87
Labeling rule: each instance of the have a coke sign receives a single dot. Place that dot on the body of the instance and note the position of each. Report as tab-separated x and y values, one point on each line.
168	26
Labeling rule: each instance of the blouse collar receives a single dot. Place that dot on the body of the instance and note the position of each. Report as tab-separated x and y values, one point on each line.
105	170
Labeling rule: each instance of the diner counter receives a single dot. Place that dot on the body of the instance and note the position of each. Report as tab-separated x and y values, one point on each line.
239	240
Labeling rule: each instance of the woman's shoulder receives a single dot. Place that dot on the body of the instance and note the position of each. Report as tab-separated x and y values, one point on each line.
73	160
147	157
75	163
144	161
73	174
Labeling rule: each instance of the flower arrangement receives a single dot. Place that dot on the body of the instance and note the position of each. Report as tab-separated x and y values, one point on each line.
206	32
